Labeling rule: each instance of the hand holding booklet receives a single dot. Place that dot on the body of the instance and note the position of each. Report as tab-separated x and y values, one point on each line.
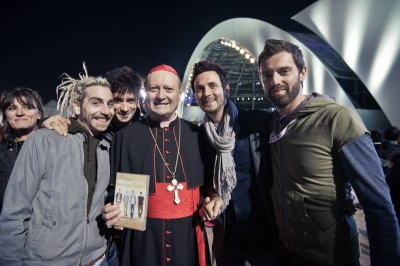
132	193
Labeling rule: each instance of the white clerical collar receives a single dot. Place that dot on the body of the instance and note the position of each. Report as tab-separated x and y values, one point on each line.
166	123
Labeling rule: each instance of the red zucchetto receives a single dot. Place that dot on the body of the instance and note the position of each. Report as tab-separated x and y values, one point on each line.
165	68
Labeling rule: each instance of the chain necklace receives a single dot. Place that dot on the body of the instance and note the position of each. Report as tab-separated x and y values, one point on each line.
159	151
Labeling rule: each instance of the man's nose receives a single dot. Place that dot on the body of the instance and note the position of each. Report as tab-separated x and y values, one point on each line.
206	91
107	110
275	79
124	106
161	94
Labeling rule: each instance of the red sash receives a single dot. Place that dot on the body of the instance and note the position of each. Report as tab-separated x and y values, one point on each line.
161	206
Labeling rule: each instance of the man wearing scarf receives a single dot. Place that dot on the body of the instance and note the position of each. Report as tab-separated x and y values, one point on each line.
232	147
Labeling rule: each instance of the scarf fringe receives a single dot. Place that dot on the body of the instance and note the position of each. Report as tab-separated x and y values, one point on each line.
226	184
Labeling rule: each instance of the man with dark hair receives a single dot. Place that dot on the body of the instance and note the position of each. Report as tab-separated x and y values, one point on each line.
140	204
319	150
233	142
389	144
125	87
125	200
118	196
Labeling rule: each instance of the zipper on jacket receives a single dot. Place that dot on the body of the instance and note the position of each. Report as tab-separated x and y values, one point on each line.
283	196
86	211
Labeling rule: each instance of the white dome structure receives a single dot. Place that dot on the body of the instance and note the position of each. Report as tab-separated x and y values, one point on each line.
372	61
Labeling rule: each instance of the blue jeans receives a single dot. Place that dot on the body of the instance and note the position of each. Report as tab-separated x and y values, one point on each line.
112	256
132	209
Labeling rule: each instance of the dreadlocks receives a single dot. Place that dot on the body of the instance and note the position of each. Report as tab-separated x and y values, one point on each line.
71	90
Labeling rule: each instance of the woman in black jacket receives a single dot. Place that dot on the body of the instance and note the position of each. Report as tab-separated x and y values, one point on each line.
21	109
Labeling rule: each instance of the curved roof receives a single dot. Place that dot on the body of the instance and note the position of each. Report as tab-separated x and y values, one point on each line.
367	36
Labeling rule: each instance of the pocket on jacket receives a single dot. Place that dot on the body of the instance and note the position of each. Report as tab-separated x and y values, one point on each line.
302	227
43	243
300	224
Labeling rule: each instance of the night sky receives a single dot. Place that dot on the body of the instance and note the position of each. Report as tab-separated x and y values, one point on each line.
41	41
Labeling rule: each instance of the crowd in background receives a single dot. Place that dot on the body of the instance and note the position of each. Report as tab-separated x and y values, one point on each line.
387	145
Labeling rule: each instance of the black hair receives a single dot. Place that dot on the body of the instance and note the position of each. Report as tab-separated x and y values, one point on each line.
208	65
124	80
25	96
391	133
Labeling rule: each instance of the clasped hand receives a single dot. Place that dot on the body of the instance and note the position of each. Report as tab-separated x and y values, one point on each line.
211	209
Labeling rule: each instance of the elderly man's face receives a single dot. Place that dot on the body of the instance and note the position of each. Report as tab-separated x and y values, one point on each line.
163	94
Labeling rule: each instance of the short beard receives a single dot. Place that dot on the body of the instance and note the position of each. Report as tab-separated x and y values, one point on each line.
282	101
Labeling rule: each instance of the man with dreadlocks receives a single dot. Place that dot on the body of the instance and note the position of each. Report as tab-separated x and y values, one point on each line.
56	191
125	87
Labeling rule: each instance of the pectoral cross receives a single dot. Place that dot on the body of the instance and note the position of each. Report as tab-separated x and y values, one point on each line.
175	188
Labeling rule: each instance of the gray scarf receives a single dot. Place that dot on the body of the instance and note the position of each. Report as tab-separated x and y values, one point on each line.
224	142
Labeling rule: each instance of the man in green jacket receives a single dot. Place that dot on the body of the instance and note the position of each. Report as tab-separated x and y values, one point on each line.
320	150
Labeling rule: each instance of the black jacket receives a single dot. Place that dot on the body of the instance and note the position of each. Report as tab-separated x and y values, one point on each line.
254	125
8	154
393	181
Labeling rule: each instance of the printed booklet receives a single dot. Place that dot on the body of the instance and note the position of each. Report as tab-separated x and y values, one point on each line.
132	193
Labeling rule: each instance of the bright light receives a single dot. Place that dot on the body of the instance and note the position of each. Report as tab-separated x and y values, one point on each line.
142	93
387	52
